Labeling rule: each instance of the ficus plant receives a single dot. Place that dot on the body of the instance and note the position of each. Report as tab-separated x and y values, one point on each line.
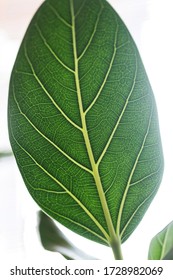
83	127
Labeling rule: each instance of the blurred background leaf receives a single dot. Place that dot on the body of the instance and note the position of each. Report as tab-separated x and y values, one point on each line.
5	154
161	246
54	240
169	256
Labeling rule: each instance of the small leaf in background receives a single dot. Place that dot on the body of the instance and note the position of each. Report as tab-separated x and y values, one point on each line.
161	246
83	121
54	240
5	154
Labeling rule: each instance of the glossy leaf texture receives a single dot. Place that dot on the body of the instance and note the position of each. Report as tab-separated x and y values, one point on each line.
161	246
54	240
82	120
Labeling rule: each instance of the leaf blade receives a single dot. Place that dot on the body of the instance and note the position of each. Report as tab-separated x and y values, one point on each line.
83	121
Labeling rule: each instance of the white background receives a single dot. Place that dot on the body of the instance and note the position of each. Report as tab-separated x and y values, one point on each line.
150	23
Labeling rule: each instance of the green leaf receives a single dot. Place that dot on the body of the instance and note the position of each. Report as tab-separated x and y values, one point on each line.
161	246
54	240
82	120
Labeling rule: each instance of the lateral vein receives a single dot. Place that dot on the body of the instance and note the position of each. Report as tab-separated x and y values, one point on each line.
58	15
119	119
51	50
47	93
106	76
74	222
81	205
80	9
146	177
47	139
134	213
93	33
131	175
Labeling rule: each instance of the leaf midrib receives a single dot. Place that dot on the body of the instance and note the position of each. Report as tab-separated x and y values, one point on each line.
112	234
87	141
163	249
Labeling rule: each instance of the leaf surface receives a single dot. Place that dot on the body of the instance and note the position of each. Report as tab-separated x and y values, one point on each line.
82	120
54	240
161	246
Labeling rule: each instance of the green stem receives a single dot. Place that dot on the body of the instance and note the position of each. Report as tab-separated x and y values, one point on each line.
116	248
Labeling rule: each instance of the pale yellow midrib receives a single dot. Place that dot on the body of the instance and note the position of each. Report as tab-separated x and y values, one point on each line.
112	234
163	251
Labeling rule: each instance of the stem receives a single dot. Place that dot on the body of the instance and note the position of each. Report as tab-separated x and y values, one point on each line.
116	248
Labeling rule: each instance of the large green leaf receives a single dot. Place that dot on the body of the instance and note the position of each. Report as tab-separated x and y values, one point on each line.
54	240
83	122
161	246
